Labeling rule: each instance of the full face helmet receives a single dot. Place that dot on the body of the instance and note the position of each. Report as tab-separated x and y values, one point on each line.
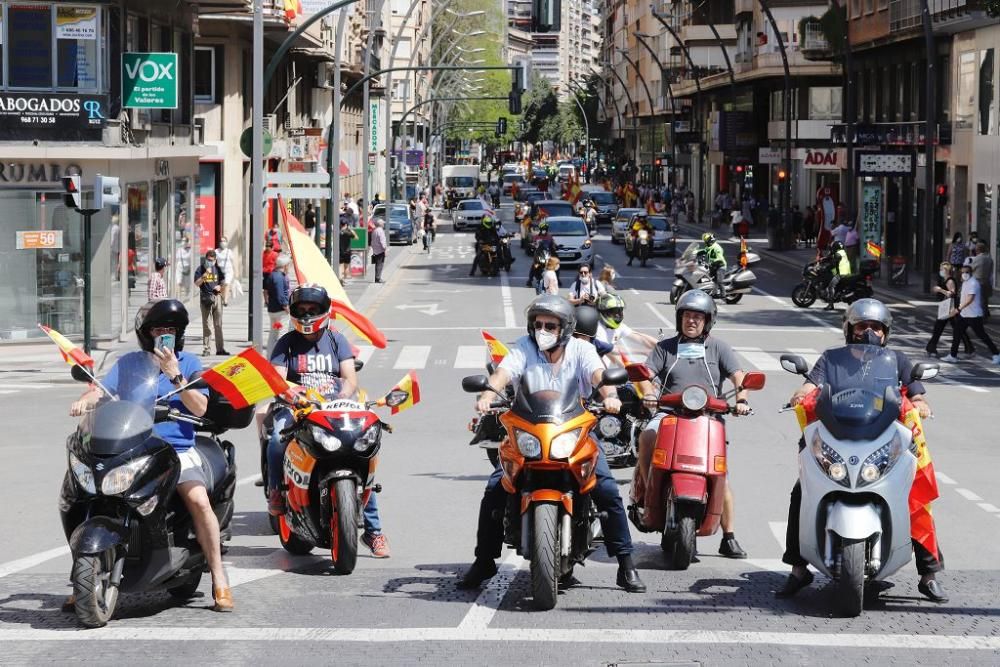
162	313
708	238
309	307
612	310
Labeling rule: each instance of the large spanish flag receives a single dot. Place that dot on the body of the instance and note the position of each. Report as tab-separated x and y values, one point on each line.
311	267
411	387
71	354
924	489
245	379
496	349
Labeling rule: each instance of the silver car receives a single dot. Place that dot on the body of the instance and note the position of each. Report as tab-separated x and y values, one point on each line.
468	213
619	226
572	239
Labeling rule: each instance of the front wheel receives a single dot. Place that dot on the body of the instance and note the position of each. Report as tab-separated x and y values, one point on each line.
675	294
803	295
96	597
344	526
679	545
732	299
545	556
291	542
851	583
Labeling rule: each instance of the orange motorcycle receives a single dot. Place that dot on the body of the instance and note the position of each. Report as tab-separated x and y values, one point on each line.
548	460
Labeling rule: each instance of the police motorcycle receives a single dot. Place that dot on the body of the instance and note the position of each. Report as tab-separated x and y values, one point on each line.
128	530
693	272
856	470
817	276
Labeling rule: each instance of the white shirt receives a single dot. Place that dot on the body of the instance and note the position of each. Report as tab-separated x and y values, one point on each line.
224	260
974	309
579	358
840	233
612	336
594	288
550	282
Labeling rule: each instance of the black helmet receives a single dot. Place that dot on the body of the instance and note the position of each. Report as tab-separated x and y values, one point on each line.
867	310
697	301
556	306
309	294
161	313
587	318
836	246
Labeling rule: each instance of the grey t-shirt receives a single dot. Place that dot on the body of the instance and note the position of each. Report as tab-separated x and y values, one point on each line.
677	365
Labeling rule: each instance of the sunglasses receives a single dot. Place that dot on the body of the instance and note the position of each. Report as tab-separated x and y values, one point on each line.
548	326
585	273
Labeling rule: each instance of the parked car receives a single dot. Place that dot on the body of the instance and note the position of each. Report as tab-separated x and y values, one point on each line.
468	213
619	226
399	224
664	236
573	244
607	205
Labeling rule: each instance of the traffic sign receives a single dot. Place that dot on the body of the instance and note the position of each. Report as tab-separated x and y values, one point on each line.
149	80
246	142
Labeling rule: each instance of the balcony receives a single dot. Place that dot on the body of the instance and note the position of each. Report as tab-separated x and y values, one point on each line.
814	45
889	134
949	16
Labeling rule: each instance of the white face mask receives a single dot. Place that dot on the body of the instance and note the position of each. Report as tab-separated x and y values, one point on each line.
966	276
545	340
943	274
224	245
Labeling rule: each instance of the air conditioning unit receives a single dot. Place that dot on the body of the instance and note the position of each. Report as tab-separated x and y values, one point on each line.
324	75
270	123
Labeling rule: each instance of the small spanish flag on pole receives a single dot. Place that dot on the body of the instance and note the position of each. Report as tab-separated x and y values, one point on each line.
496	349
71	354
874	249
245	379
408	386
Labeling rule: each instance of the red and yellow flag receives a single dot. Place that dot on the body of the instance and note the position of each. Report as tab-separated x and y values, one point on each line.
408	385
874	249
245	379
311	267
71	354
924	489
292	8
575	191
743	253
496	349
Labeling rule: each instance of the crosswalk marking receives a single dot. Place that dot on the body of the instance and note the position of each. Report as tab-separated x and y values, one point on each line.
470	356
807	353
759	359
413	356
365	353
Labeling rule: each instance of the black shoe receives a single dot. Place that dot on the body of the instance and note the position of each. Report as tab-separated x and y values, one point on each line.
730	548
224	353
480	571
69	605
628	578
829	306
629	263
793	585
378	280
933	591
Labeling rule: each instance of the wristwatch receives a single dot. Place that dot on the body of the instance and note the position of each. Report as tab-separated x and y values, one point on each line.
177	380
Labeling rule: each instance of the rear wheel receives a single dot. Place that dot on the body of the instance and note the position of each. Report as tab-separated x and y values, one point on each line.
545	556
679	544
344	526
733	298
187	589
803	295
95	596
291	542
851	583
675	294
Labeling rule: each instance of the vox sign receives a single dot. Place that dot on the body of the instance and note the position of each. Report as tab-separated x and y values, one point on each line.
149	80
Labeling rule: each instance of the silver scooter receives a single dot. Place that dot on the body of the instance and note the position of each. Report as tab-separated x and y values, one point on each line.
692	271
856	470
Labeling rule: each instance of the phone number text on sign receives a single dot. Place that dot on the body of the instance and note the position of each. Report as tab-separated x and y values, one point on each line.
32	240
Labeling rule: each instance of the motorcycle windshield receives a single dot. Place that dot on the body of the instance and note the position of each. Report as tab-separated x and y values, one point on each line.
690	255
548	394
860	397
116	426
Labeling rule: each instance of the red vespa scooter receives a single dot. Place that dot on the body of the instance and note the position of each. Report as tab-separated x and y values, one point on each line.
685	487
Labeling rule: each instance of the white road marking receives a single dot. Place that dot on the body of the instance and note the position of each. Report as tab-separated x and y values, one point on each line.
989	507
666	322
37	385
634	291
508	301
28	562
943	478
788	304
476	328
977	390
779	529
968	495
758	358
9	391
807	353
470	356
413	357
486	605
365	353
660	636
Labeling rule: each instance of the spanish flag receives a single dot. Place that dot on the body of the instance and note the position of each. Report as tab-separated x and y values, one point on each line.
874	249
924	489
496	349
743	253
411	387
245	379
292	8
311	267
71	354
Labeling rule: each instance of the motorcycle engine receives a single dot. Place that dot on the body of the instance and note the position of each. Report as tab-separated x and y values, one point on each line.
609	426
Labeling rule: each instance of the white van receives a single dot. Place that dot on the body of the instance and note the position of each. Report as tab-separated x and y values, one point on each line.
566	172
462	178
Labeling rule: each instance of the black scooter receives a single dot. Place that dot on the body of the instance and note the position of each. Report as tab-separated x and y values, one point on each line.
127	528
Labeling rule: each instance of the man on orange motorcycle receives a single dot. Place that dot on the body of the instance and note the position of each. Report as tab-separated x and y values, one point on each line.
551	324
316	356
866	322
693	357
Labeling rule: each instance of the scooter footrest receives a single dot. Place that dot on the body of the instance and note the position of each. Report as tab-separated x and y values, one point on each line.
377	488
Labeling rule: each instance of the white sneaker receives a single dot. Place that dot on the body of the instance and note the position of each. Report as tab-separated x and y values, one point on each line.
950	359
996	359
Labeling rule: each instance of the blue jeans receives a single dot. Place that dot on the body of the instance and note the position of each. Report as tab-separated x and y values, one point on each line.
275	467
617	540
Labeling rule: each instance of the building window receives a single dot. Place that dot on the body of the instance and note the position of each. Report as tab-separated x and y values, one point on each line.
825	103
204	75
984	210
987	112
869	6
46	46
965	108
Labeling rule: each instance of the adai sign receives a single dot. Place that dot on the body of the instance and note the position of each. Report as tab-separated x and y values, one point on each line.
821	159
52	116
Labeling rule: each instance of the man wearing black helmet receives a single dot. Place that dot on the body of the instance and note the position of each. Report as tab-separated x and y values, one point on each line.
159	327
693	357
318	357
486	235
551	324
866	322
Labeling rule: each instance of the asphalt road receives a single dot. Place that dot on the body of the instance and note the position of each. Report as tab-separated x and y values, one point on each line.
407	609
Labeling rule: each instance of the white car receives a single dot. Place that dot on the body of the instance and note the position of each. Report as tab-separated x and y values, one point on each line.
619	226
468	213
573	244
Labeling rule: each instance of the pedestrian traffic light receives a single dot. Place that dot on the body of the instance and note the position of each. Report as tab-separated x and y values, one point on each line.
941	195
501	126
514	103
73	197
781	174
107	191
739	169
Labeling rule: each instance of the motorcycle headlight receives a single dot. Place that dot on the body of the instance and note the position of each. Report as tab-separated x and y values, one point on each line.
830	461
880	461
369	439
83	475
121	478
587	244
325	439
528	445
694	398
563	444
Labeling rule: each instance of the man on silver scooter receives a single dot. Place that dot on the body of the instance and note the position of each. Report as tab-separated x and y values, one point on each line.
866	322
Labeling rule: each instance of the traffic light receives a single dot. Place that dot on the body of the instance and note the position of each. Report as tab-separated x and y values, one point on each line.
941	195
739	169
518	80
501	126
73	197
107	191
659	162
782	175
546	15
514	103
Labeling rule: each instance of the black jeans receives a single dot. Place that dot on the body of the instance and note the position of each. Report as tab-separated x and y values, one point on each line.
379	261
939	326
617	540
962	324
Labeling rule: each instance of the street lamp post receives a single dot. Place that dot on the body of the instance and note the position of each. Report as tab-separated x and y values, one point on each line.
785	187
673	104
635	111
586	123
652	110
929	127
367	112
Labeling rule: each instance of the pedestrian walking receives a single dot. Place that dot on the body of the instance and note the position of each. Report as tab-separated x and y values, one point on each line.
607	278
957	250
309	219
225	261
209	281
157	287
278	290
550	279
184	259
852	244
347	234
379	247
970	316
982	270
948	294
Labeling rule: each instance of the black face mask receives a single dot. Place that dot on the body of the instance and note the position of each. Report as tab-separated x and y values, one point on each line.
869	337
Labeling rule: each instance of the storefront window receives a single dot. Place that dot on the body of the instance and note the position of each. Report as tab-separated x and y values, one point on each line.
965	107
987	112
984	211
183	235
29	44
138	247
40	38
76	47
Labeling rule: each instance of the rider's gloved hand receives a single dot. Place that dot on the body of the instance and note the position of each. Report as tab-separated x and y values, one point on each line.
612	404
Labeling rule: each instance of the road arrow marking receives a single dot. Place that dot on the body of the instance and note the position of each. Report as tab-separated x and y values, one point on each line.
425	308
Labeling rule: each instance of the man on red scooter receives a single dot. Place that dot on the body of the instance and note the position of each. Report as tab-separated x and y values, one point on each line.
693	357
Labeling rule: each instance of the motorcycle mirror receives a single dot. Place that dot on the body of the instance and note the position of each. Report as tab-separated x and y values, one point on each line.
613	377
924	371
793	363
754	380
358	365
161	413
638	372
80	374
396	398
475	383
